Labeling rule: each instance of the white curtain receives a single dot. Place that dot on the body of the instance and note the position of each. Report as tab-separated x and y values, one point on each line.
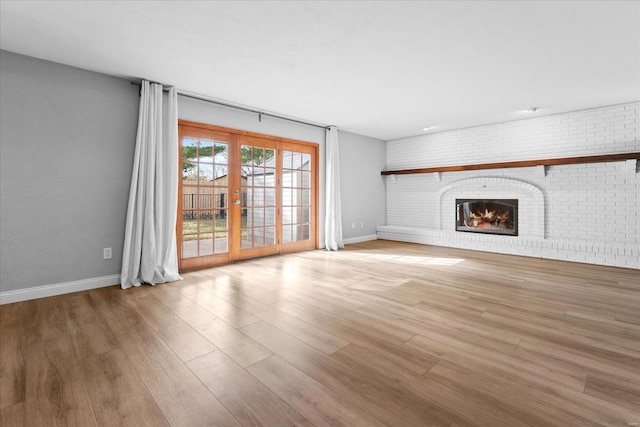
149	254
333	215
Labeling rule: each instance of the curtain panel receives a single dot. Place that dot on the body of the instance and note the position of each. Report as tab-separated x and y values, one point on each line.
150	253
333	215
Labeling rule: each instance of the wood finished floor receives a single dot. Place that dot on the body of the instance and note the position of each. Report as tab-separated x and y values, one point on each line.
382	333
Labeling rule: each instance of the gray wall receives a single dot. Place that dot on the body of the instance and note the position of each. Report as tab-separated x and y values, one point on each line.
67	138
66	148
363	188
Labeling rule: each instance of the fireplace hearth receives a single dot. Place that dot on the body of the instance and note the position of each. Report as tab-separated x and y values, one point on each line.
487	216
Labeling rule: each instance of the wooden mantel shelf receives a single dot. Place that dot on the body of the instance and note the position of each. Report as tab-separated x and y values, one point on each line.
521	164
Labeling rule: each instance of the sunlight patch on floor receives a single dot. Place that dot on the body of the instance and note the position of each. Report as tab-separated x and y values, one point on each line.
416	259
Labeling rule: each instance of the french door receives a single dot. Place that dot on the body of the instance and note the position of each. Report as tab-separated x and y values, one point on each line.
243	195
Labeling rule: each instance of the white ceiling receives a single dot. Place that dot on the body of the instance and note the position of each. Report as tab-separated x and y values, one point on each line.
385	69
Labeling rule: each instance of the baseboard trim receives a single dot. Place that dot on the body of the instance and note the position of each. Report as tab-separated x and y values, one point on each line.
9	297
360	239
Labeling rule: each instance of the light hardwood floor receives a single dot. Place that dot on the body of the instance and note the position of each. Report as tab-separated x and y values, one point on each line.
382	333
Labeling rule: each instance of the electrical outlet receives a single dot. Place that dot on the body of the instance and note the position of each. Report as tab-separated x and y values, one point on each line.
353	225
362	224
106	253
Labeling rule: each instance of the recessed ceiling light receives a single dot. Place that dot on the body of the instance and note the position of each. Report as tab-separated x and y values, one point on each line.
531	110
427	128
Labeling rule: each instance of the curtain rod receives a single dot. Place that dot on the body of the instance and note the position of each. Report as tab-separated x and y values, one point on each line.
237	107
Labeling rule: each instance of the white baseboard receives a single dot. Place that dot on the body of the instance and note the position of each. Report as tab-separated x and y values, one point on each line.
360	239
57	289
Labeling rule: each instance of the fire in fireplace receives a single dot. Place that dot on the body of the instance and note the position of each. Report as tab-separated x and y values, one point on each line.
489	216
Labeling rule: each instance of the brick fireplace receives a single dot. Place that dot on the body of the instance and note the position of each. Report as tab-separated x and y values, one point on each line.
584	212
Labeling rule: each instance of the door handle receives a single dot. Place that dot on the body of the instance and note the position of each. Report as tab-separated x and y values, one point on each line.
236	201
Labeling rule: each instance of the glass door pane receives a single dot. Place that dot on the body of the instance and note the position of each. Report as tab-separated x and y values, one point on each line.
298	197
258	171
204	198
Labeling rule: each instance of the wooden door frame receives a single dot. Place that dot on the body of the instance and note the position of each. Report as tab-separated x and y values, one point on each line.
238	253
290	145
204	261
235	135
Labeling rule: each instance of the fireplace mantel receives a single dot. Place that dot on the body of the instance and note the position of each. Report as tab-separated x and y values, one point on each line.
521	164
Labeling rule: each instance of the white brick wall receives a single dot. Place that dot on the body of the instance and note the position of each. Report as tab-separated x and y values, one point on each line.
590	213
605	130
